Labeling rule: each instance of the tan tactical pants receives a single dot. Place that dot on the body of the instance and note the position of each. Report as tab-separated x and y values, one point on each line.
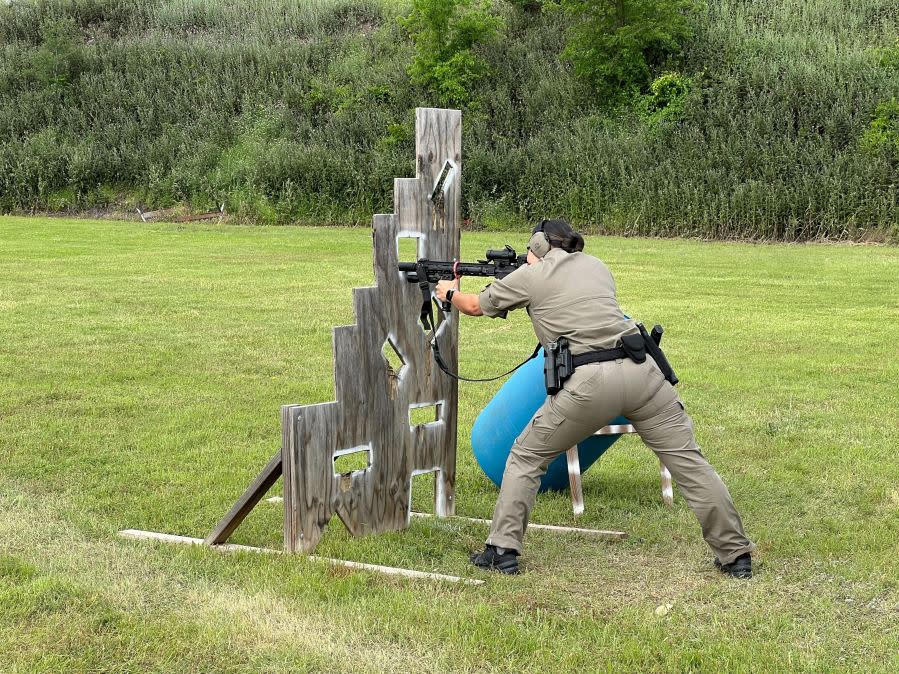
594	395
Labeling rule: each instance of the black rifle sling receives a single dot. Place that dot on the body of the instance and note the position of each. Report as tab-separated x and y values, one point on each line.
439	360
427	320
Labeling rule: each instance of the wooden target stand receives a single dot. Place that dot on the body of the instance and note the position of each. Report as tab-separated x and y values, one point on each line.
377	402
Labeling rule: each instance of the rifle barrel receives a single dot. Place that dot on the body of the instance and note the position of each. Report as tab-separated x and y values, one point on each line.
438	270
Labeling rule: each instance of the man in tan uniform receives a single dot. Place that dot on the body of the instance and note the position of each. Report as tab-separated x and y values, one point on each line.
572	295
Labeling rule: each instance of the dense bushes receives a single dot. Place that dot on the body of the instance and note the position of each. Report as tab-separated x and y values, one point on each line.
444	33
616	43
172	113
775	120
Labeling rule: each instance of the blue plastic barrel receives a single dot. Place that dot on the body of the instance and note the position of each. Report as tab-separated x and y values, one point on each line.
506	415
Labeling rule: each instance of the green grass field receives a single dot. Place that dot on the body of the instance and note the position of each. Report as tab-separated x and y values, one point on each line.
142	368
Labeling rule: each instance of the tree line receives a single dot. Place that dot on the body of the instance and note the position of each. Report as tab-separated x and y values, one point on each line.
750	119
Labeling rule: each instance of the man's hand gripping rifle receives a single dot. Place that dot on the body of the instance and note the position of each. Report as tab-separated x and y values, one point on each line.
499	263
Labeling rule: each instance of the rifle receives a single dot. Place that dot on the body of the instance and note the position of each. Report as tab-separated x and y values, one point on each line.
499	263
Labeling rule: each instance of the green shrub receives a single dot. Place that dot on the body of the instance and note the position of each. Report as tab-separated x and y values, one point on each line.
303	112
59	59
666	99
615	43
498	215
882	135
889	57
529	6
445	33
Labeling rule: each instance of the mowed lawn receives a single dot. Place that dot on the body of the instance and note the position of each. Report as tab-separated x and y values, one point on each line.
142	370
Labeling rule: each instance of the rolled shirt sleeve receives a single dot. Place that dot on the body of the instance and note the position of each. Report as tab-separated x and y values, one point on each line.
504	295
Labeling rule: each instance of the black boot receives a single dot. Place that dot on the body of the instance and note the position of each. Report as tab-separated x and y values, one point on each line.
497	559
741	567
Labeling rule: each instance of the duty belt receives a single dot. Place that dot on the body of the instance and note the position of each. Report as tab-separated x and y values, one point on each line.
559	363
600	356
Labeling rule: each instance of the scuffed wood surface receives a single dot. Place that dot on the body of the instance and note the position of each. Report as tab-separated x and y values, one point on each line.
373	401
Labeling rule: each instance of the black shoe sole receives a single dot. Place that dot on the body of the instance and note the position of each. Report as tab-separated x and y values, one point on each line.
509	567
742	570
508	571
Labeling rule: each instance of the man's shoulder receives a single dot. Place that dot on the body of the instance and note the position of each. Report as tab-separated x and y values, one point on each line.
579	259
591	260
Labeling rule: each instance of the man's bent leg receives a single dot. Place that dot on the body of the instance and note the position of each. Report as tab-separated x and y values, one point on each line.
711	502
550	432
669	433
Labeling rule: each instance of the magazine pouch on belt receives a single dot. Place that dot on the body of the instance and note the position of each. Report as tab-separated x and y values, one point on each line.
634	347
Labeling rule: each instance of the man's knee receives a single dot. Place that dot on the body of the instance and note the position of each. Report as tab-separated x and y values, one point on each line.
688	466
527	460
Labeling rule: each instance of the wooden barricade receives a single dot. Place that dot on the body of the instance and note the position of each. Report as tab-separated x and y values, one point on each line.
373	413
385	377
374	404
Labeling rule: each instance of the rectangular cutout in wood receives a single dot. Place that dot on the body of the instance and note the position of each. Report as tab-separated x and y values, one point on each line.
352	460
421	414
408	248
422	489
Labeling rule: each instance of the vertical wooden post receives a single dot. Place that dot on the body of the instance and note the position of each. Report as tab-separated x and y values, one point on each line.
372	411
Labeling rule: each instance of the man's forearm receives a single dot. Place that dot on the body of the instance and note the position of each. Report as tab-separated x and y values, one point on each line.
467	303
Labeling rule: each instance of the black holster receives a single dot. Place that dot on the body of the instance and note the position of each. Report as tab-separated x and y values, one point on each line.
557	365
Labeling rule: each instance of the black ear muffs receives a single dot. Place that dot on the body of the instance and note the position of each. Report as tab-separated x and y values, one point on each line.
539	243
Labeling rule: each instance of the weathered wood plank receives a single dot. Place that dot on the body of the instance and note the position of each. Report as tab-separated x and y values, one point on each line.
248	500
372	400
598	533
136	534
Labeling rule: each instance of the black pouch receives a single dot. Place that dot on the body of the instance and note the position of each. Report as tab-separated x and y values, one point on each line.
634	347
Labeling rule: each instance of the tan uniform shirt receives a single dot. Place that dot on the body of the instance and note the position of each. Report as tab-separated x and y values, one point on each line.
568	295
